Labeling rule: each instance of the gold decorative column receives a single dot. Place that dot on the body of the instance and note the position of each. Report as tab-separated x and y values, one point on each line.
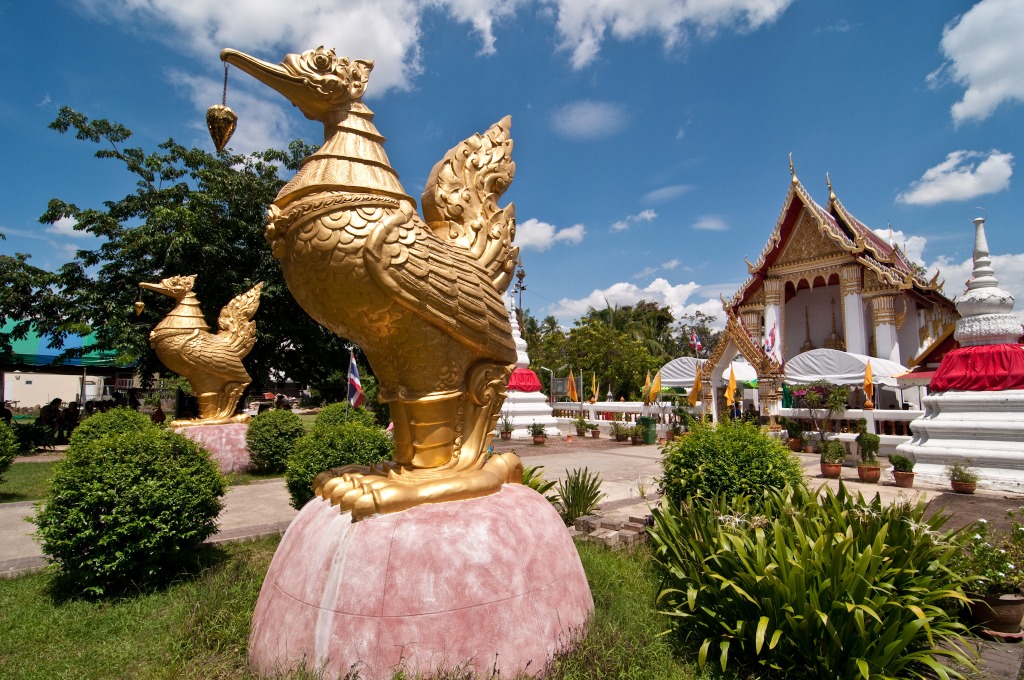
775	315
883	314
852	305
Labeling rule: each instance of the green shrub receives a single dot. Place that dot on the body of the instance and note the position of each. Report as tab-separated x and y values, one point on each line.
9	448
533	477
578	494
840	589
339	413
127	510
733	458
115	421
271	437
32	436
323	448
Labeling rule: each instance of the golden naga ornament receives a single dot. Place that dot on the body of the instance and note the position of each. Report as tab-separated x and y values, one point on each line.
422	297
211	362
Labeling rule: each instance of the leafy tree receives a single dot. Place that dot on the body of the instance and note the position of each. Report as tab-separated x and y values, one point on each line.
192	212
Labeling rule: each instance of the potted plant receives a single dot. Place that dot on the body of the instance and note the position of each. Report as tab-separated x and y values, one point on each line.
505	426
619	431
581	425
537	432
832	456
823	400
638	434
595	431
795	431
992	564
962	477
902	471
868	468
675	428
808	443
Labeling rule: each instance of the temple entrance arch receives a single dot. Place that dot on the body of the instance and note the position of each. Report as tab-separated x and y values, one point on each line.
736	341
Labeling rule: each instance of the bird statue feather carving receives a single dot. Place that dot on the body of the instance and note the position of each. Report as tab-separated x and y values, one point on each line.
421	297
211	362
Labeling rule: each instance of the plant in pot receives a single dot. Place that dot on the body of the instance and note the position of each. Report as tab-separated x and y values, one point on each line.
868	469
537	432
991	564
807	442
832	456
595	431
823	400
962	477
902	471
505	426
581	425
638	434
794	431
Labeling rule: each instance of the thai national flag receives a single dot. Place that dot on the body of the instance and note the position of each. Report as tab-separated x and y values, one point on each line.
695	342
355	388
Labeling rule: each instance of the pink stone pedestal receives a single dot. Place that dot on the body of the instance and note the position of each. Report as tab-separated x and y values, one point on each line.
484	583
226	444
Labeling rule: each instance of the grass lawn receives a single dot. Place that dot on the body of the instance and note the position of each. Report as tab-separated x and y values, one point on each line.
199	628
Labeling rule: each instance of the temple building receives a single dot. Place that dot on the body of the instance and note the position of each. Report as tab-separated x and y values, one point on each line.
824	279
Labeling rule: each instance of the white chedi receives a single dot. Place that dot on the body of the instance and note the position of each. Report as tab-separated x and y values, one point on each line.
526	408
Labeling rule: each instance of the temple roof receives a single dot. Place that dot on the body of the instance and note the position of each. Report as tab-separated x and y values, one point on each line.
847	233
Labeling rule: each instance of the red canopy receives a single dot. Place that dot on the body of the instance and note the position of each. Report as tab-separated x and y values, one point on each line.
524	380
985	368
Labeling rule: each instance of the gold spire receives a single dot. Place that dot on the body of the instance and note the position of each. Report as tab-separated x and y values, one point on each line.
792	170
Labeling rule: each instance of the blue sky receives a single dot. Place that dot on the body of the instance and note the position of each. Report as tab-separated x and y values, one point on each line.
652	138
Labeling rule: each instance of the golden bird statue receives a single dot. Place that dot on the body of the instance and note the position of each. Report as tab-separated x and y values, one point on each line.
211	362
422	297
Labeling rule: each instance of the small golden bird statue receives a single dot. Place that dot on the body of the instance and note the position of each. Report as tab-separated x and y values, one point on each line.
421	297
212	363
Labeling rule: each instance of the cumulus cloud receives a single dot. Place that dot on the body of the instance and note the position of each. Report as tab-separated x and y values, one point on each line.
711	223
683	299
984	54
65	226
912	245
642	216
583	26
589	120
666	194
1009	271
963	175
540	235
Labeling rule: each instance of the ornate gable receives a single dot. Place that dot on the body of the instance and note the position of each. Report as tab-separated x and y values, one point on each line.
806	243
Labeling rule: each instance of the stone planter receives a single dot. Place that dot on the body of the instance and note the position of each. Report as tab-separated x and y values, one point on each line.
963	487
999	613
904	480
869	474
831	470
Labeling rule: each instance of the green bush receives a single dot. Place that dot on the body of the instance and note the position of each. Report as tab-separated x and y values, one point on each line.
337	414
271	437
801	589
9	448
127	510
533	477
578	494
323	448
735	457
32	436
115	421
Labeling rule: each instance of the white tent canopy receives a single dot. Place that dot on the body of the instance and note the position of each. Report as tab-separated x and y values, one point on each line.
841	368
681	372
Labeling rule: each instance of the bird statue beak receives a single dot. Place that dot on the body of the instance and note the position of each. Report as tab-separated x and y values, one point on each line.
156	288
294	88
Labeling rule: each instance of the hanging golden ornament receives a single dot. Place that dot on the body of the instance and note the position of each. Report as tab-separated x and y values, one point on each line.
139	304
220	119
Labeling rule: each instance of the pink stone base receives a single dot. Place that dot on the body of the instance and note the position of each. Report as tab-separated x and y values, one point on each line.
226	444
489	582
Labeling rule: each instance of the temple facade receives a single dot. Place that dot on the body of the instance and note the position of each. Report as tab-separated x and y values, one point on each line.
824	279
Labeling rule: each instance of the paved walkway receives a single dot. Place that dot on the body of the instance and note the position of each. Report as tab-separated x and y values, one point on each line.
262	508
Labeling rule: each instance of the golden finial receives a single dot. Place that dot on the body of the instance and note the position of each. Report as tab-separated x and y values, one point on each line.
792	170
831	194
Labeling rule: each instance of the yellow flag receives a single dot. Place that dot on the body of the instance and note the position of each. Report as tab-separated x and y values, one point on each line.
593	385
655	388
694	395
869	385
647	389
573	396
730	391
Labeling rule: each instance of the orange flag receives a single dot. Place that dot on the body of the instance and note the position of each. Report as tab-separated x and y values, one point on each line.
694	396
869	385
573	395
655	388
730	391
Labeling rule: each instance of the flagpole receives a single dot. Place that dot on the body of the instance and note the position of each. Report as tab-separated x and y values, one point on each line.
348	384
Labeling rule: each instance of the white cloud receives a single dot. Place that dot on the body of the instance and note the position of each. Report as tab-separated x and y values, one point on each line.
65	226
913	246
642	216
963	175
985	54
711	223
676	297
651	271
671	264
540	235
589	120
665	194
583	25
1009	270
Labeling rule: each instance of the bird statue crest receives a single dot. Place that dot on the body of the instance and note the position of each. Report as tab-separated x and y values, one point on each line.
211	362
421	296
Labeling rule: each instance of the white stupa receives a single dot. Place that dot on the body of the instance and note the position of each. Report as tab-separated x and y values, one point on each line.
526	403
976	409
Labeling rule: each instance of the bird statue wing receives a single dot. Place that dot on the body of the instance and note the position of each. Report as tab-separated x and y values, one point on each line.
235	322
439	282
460	203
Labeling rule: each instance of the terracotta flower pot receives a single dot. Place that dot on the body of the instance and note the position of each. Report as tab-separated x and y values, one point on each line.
1000	613
963	487
506	435
795	444
869	474
831	470
581	432
637	441
904	480
809	449
539	439
596	434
